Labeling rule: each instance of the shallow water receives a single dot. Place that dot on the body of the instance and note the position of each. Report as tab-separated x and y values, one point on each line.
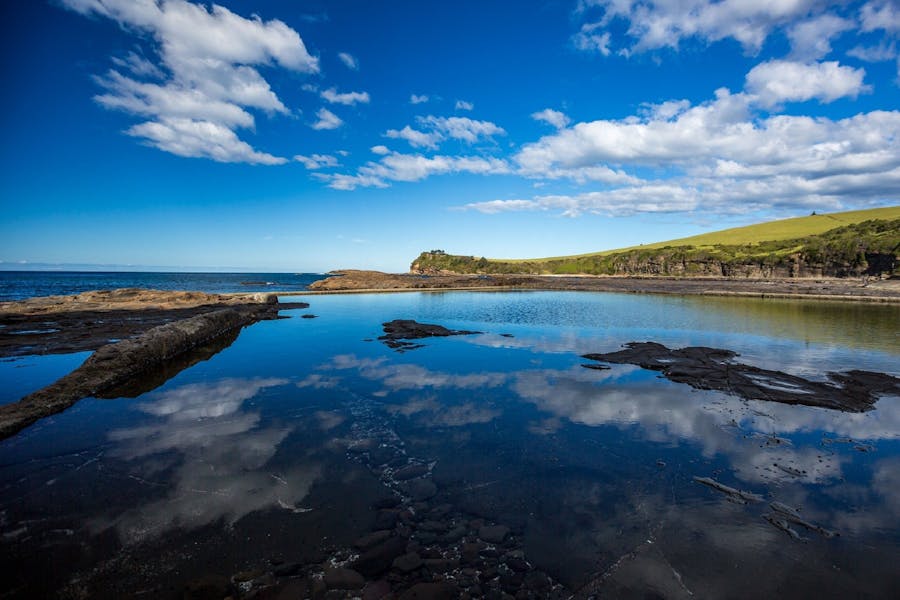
256	455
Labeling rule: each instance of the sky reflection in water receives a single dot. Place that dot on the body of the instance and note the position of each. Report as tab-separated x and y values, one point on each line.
591	465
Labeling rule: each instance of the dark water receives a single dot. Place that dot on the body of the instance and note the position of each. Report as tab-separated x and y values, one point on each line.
18	285
272	452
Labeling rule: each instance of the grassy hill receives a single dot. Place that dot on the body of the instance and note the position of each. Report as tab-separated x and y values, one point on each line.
771	231
839	244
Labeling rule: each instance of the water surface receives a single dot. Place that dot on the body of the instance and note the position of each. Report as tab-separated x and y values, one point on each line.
275	450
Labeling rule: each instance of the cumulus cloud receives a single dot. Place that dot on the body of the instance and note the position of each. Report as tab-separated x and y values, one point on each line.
553	117
317	161
589	40
413	167
655	24
380	150
349	61
433	130
880	15
418	99
463	105
720	156
198	71
200	139
348	99
416	138
778	81
327	120
811	39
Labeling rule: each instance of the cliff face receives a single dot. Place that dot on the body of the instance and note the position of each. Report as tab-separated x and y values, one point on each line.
869	248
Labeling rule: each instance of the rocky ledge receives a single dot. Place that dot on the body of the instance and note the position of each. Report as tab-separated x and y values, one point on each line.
714	369
160	328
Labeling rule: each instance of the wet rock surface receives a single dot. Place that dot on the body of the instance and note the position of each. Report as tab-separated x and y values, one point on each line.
713	369
87	321
398	332
118	365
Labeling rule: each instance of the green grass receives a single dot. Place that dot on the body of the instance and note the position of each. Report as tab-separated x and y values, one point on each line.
785	229
836	245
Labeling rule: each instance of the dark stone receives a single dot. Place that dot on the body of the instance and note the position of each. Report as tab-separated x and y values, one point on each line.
372	539
376	590
421	489
343	579
494	534
287	569
209	587
440	565
386	519
435	526
410	472
517	564
408	562
308	316
713	369
455	534
378	559
248	575
388	502
431	591
397	332
511	582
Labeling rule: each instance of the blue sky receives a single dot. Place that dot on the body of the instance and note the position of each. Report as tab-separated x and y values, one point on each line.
296	135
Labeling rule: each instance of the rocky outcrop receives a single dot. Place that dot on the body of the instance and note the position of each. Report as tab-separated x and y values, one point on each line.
118	363
398	332
714	369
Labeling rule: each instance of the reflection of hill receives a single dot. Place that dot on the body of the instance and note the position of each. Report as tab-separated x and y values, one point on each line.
857	325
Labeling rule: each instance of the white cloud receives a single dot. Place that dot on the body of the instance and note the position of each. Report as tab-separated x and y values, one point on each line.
589	41
880	14
811	39
317	161
553	117
138	66
200	139
433	130
380	150
720	156
418	99
881	52
349	61
463	105
350	98
416	138
327	120
779	81
654	24
413	167
201	72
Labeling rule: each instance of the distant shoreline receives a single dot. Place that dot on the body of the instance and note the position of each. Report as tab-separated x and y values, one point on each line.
824	289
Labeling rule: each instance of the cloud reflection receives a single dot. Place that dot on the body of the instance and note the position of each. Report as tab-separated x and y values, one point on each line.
217	453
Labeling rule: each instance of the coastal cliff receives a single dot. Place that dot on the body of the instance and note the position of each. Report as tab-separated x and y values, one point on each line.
869	248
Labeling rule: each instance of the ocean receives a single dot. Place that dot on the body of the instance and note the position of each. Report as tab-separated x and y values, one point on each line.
19	285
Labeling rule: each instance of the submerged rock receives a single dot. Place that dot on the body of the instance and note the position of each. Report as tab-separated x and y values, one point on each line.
733	494
713	369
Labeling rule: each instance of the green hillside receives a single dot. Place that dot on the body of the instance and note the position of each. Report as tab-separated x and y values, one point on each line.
771	231
835	245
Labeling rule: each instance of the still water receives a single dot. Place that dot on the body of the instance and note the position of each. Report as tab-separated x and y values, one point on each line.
497	459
